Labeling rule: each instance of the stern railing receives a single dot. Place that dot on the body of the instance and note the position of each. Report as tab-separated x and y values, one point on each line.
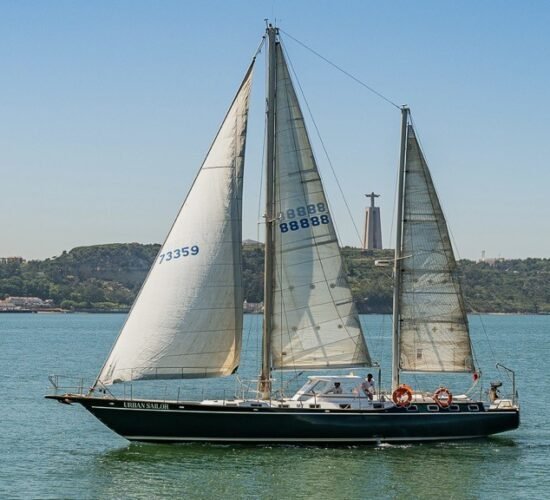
511	373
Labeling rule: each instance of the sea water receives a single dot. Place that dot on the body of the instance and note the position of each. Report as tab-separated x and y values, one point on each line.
50	450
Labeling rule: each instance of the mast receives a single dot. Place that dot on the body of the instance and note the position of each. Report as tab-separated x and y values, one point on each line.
265	376
398	245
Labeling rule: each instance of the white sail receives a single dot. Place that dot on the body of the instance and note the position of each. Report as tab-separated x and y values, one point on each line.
314	321
433	333
187	319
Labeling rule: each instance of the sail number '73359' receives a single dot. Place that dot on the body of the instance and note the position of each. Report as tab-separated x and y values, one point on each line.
304	217
176	253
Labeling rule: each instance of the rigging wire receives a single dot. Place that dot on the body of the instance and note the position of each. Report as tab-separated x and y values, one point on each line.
349	75
250	329
412	241
283	310
458	257
391	275
259	217
323	145
260	47
322	142
334	173
260	198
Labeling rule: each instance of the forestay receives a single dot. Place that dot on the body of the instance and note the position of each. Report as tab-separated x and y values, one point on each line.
314	322
433	324
187	319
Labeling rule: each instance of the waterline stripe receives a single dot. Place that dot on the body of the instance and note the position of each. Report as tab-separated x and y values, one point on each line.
320	411
301	440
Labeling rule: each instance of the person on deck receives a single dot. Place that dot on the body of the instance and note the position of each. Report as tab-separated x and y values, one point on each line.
337	389
493	391
368	386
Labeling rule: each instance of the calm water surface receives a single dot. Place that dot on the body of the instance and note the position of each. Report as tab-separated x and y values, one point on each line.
50	450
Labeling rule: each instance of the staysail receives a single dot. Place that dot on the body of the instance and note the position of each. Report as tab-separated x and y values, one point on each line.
187	319
433	326
314	323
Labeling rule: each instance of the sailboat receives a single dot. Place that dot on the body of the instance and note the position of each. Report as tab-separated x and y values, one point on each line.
187	320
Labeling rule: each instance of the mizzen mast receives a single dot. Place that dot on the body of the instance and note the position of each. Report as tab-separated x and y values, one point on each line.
398	246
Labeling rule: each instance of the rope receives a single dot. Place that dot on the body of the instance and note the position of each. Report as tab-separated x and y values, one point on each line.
259	49
323	146
457	258
349	75
260	220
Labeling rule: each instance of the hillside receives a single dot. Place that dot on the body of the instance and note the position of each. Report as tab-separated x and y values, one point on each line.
108	277
100	277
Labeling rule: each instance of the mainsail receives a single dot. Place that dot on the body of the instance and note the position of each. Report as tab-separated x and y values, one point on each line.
433	331
314	323
187	319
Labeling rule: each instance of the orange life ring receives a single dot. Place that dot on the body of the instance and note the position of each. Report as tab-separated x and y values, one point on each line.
402	396
443	397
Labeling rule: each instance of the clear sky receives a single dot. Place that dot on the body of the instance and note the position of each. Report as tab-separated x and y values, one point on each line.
108	107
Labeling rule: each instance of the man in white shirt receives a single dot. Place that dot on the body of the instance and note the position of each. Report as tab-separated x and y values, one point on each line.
368	387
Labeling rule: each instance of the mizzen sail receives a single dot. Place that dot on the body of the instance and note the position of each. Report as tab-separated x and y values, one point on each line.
433	326
187	319
314	322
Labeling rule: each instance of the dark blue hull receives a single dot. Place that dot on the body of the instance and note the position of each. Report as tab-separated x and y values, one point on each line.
157	421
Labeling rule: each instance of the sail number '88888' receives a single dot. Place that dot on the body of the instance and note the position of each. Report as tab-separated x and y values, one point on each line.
303	222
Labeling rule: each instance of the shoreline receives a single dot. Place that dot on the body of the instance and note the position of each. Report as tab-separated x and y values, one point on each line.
126	311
